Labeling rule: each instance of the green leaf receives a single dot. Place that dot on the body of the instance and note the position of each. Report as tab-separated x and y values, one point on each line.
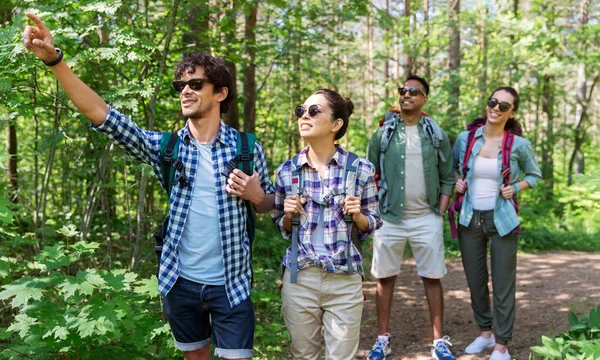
148	287
21	293
22	324
86	329
69	287
572	318
68	230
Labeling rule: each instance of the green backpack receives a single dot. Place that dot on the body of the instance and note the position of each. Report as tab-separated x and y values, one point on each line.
243	160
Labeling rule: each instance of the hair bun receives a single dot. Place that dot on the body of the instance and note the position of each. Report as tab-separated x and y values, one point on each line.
349	105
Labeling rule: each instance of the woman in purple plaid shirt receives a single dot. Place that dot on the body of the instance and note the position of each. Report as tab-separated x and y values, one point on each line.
325	292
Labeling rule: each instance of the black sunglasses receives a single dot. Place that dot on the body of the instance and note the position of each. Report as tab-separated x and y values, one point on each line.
504	106
313	110
411	91
194	84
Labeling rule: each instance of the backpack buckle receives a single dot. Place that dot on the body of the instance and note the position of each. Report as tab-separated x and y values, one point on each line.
232	164
246	156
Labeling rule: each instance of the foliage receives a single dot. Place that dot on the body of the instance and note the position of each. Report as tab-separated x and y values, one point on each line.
69	174
582	341
92	314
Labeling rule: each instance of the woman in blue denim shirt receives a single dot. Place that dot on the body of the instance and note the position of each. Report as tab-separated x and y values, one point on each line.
488	213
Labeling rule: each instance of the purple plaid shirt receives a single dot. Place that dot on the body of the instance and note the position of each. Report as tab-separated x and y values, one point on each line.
335	237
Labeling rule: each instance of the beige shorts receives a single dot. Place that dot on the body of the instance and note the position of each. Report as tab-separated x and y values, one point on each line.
426	238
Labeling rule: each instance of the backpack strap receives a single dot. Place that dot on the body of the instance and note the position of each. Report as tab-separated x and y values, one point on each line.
389	127
434	132
507	145
169	151
168	154
350	171
297	187
457	204
244	158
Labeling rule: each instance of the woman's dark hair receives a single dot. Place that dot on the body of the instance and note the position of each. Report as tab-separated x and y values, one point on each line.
341	107
511	125
215	70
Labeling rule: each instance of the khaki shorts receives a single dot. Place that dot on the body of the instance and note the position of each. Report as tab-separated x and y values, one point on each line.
426	238
327	302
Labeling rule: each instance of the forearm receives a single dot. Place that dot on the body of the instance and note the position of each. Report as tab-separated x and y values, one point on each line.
522	185
264	203
85	99
362	223
444	202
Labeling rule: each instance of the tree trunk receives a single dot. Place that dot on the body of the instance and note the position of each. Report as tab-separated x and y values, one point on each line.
231	117
11	162
427	46
548	143
370	72
250	71
387	51
582	101
408	58
454	57
197	18
11	130
483	47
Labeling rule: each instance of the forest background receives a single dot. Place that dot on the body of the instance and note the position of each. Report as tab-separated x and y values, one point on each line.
76	215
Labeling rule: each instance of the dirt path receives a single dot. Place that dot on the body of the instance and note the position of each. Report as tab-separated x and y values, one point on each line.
549	285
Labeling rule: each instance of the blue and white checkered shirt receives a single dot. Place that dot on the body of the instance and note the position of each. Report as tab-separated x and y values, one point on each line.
144	146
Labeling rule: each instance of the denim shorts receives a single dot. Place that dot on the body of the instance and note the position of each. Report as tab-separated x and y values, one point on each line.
196	312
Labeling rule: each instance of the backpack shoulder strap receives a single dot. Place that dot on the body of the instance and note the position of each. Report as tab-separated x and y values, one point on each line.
350	171
470	142
434	132
296	185
389	125
507	145
245	151
169	150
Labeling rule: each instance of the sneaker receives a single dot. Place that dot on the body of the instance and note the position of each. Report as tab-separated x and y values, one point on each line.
480	344
440	350
497	355
381	349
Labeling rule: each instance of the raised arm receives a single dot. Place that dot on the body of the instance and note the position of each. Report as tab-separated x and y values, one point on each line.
39	41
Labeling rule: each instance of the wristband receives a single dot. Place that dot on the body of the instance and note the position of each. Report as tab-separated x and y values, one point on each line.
58	59
516	190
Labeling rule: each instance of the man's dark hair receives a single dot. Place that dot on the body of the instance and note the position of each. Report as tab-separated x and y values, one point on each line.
421	80
341	108
215	70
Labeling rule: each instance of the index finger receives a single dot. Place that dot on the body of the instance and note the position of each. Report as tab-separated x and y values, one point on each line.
38	22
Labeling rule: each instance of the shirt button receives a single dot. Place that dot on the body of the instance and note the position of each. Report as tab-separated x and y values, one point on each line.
401	205
401	187
402	172
402	157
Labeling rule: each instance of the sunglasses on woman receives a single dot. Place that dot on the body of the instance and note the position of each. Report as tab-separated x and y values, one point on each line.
194	84
411	91
313	110
504	106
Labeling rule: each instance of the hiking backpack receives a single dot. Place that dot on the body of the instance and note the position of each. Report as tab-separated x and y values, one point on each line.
388	123
169	162
507	144
297	182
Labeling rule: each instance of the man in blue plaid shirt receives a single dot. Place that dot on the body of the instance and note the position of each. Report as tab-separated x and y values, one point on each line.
205	268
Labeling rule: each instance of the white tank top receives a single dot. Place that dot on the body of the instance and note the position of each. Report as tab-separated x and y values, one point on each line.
484	183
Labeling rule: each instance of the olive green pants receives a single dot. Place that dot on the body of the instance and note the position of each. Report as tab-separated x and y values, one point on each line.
473	242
